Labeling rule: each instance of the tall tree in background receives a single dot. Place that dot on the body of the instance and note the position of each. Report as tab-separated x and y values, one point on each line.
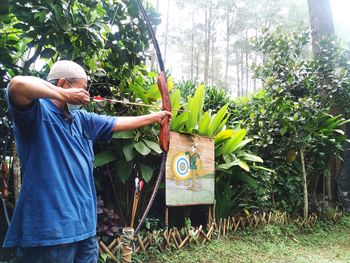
207	40
213	37
321	22
230	8
322	27
166	30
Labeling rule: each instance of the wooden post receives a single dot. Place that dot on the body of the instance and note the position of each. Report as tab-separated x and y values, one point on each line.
209	216
128	234
166	218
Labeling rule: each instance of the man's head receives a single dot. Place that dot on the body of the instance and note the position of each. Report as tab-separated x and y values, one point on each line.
67	74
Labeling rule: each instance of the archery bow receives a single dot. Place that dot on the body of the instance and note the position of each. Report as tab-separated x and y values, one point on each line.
164	136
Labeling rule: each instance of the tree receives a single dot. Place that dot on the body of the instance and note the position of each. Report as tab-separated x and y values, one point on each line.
321	22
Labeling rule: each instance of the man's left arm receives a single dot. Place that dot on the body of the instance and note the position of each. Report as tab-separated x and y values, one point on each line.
134	122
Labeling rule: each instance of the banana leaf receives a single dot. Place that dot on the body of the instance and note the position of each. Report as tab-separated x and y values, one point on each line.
217	120
104	158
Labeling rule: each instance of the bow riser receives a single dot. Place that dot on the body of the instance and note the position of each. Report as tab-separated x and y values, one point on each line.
164	135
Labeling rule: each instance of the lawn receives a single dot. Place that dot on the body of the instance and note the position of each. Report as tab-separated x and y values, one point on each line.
325	244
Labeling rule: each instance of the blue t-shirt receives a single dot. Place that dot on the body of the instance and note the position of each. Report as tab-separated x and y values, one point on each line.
57	202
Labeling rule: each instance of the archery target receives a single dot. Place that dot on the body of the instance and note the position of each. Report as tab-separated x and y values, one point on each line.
181	166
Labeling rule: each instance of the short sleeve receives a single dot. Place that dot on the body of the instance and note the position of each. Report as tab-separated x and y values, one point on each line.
99	127
23	119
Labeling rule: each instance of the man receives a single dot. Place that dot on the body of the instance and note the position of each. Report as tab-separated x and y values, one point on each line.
55	217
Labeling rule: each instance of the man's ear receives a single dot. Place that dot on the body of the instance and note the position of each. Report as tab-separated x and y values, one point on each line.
61	83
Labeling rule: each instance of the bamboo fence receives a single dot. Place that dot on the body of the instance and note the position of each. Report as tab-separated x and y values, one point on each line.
178	239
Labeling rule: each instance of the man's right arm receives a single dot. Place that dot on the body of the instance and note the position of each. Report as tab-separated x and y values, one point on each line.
23	90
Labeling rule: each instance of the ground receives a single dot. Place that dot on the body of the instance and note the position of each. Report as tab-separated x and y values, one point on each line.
325	244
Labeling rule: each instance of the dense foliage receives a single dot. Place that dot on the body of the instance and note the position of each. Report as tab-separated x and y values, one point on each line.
267	146
293	113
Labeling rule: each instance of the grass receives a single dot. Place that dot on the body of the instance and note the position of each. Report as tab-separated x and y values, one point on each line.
327	243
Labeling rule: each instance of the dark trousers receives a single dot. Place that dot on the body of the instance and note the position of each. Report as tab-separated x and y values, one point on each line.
85	251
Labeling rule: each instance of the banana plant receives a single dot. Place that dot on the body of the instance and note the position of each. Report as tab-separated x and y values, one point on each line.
229	145
193	119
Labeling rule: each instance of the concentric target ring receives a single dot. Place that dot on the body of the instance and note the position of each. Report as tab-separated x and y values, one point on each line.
181	166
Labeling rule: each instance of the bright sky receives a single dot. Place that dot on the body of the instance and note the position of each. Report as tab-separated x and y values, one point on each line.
340	11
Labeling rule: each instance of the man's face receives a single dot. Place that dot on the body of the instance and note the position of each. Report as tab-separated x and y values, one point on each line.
75	83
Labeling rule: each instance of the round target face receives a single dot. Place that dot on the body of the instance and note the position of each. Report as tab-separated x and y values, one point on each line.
181	166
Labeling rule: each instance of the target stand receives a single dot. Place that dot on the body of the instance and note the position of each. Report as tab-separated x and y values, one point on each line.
190	178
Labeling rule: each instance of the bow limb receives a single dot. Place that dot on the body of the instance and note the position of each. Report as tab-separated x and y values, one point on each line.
164	135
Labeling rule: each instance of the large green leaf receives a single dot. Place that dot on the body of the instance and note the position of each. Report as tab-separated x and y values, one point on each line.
175	100
221	125
139	91
223	135
203	124
249	157
153	145
195	108
198	100
230	145
242	144
227	166
153	93
192	116
243	165
178	122
330	120
124	169
128	150
123	135
250	181
146	172
217	120
142	148
104	158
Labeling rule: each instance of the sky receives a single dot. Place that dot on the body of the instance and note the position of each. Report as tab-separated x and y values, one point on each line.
340	11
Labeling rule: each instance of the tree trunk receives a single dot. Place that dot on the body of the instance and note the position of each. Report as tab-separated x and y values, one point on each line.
192	47
153	53
212	63
227	43
329	180
247	72
242	73
321	22
208	15
237	73
197	66
306	202
254	80
166	31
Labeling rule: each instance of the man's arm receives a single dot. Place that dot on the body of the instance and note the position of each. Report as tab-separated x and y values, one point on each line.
24	90
130	123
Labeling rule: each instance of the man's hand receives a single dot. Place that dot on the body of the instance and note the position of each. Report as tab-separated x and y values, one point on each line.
76	96
159	116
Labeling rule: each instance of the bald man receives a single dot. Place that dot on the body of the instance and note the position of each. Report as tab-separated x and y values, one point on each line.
55	217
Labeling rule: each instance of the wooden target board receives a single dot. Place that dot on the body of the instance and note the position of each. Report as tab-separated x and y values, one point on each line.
190	169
